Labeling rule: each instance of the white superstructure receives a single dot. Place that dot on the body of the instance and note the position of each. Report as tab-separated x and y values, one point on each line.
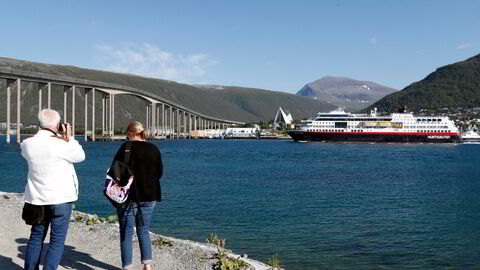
340	121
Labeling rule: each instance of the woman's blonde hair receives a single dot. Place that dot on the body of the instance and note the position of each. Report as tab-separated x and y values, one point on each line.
136	128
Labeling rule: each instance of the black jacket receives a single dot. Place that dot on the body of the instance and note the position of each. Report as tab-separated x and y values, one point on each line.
146	163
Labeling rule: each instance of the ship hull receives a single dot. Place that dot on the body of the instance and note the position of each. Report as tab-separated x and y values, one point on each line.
391	137
471	140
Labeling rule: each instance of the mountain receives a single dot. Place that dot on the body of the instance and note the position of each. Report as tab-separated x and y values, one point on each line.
257	102
232	103
452	86
345	92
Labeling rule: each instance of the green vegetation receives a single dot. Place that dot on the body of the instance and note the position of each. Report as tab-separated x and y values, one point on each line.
213	239
160	241
224	262
274	261
79	218
452	86
109	219
91	220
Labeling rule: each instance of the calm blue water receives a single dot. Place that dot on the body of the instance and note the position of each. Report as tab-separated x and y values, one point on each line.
318	206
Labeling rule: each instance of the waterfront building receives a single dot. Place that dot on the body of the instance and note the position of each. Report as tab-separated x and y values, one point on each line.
282	119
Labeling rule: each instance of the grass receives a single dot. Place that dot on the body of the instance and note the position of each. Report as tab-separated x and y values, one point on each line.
90	220
159	242
213	239
224	262
274	261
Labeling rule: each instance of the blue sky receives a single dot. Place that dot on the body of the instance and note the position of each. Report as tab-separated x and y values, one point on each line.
276	45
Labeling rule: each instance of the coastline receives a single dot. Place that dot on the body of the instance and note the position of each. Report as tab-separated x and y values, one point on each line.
96	246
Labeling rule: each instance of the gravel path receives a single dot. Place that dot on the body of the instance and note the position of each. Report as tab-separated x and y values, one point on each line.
97	246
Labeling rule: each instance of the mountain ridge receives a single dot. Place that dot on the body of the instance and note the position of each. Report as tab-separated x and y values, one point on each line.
236	105
449	86
345	92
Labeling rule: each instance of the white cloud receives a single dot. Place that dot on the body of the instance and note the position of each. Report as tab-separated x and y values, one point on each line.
149	60
373	40
464	46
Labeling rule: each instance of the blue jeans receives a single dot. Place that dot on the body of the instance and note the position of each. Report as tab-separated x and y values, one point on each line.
133	215
57	216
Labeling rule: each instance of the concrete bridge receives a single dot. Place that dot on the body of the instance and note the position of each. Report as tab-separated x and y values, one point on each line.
162	117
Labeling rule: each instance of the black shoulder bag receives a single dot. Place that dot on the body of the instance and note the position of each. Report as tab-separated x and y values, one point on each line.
33	214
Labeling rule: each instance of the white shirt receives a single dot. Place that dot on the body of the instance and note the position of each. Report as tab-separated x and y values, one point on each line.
51	176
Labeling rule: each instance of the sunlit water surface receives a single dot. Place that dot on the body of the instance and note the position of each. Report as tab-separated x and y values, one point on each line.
318	206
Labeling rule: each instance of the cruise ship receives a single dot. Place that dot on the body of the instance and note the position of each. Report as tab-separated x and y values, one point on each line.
400	127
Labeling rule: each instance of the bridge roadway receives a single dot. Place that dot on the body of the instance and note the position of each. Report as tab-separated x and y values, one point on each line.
162	117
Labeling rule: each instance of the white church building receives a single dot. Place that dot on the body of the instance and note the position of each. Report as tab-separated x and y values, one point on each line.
282	119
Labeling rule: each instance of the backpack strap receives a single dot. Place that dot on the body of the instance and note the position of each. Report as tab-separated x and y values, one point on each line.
128	148
126	160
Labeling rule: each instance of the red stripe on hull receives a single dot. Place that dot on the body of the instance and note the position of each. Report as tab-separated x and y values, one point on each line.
389	133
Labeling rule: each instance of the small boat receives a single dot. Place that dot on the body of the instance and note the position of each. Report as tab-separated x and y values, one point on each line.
470	136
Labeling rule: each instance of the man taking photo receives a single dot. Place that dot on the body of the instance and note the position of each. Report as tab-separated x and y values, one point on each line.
52	183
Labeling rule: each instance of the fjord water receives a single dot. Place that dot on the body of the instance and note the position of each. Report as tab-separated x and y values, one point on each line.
318	206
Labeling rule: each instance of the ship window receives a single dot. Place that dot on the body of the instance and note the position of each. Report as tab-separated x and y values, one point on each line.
429	120
340	124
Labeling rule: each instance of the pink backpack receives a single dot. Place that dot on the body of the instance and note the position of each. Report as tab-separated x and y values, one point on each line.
119	179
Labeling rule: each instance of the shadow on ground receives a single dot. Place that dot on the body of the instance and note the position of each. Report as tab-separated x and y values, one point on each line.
71	259
7	263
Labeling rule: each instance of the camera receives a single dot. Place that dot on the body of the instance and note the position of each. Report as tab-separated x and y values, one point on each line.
63	129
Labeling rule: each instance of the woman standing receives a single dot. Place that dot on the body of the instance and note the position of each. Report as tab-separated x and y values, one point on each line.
146	164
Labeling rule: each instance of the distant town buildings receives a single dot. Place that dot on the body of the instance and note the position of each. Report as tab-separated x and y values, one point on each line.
464	118
3	126
242	132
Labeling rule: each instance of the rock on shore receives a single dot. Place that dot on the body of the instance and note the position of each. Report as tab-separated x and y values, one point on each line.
95	245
